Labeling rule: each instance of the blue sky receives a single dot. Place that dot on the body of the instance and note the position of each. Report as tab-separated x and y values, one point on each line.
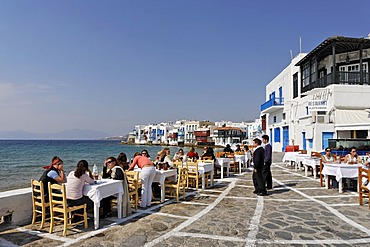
108	65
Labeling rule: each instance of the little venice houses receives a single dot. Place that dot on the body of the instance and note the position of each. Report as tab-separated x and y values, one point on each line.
321	98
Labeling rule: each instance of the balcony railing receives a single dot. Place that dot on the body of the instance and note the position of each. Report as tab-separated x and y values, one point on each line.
341	77
272	102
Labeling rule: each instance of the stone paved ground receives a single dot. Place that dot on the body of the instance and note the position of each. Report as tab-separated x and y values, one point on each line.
297	212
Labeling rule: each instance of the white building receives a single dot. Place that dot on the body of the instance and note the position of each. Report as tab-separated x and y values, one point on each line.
309	102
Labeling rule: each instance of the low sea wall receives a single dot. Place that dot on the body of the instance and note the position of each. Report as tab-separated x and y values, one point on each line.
18	204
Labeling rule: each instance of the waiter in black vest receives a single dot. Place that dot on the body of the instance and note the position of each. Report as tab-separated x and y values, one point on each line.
266	171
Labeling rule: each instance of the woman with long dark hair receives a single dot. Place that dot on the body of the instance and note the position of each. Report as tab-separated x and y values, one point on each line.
75	183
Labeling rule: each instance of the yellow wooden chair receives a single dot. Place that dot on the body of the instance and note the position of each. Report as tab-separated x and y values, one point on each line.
133	186
177	186
59	210
193	174
364	192
39	203
177	164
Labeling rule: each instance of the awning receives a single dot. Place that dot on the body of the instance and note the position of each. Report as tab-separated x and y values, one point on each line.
352	120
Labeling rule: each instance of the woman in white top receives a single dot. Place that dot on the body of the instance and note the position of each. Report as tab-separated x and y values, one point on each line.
75	183
352	157
328	157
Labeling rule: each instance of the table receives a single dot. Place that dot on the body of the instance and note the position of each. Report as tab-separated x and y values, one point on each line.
241	160
104	188
312	162
224	162
299	158
290	156
340	171
203	168
160	177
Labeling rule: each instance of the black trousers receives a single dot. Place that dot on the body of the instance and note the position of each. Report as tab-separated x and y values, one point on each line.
258	183
267	176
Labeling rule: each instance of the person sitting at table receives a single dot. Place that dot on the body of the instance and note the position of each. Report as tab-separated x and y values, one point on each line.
179	155
238	149
147	176
54	174
122	161
192	155
328	157
367	159
352	157
228	149
164	159
145	153
112	170
75	182
210	155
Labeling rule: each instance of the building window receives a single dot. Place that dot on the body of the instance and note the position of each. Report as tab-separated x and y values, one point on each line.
310	143
283	116
305	75
295	85
313	71
274	119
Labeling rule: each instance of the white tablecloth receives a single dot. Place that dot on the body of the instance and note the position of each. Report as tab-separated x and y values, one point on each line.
160	177
224	162
241	160
104	188
204	167
340	170
311	162
290	156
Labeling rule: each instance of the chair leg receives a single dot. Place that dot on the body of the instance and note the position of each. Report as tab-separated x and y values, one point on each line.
51	222
43	216
197	183
360	198
65	224
34	216
85	218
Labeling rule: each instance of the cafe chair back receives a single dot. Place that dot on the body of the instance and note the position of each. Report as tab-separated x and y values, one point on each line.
60	211
193	174
133	186
39	204
179	186
363	183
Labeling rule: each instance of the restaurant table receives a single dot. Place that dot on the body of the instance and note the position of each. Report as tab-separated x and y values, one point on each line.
203	168
299	158
104	188
291	157
340	171
247	158
311	162
160	177
224	162
240	158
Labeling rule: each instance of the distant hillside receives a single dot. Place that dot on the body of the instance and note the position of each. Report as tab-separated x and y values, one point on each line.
74	134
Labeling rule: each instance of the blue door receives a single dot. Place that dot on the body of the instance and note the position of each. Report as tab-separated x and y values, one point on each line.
325	139
304	140
285	137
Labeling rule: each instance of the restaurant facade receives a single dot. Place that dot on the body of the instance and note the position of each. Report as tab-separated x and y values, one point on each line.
321	97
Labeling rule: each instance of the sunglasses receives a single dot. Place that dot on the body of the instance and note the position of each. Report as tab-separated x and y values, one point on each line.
109	161
144	153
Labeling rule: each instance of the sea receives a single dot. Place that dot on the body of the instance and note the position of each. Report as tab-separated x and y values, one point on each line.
22	160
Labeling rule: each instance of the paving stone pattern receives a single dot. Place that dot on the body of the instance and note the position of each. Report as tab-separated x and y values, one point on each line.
297	212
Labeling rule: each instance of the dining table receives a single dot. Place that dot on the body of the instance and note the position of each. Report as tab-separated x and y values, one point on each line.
339	171
102	189
312	162
203	168
224	162
240	158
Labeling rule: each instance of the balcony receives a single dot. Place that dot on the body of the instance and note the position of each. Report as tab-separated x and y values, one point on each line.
272	105
341	77
200	133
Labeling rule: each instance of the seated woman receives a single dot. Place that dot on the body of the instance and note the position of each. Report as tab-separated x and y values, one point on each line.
122	161
75	182
112	170
164	159
210	155
228	149
179	156
328	157
238	149
192	155
352	157
147	176
367	159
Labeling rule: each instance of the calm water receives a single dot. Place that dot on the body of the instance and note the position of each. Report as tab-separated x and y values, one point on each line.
21	161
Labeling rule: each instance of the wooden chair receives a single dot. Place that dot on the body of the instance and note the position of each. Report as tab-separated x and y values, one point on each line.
193	174
234	165
59	210
177	164
177	186
364	192
39	203
133	186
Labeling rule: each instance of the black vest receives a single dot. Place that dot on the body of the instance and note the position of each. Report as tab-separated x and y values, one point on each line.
45	179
